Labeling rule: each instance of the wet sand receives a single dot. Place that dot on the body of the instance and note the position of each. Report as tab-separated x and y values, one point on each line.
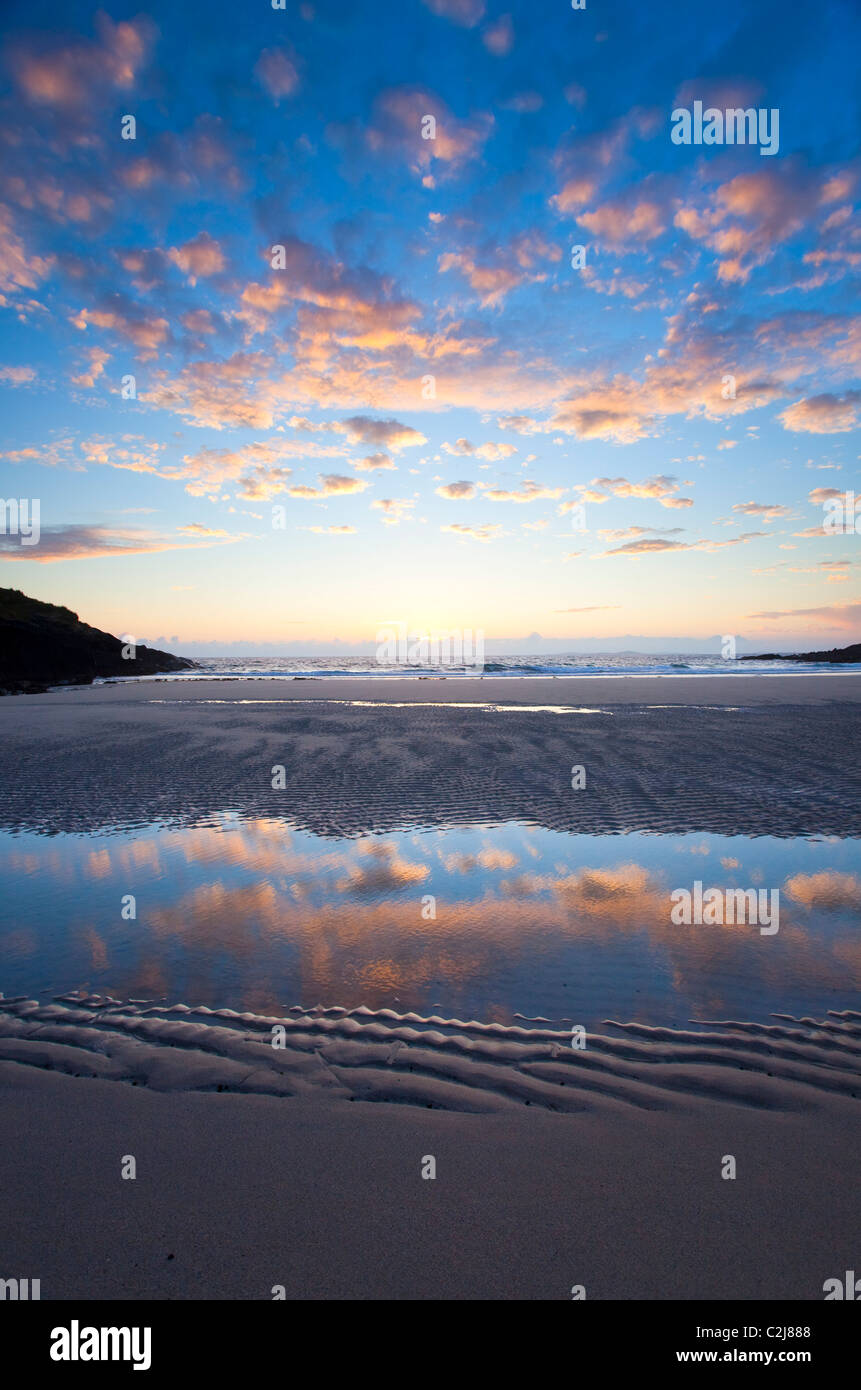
747	755
301	1166
792	687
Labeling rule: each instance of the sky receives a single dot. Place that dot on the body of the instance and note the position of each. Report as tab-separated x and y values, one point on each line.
314	351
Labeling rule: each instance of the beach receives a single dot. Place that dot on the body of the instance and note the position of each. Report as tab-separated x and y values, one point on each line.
237	1194
430	671
660	753
557	1164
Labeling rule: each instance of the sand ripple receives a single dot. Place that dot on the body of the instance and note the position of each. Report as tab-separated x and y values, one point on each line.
766	770
448	1064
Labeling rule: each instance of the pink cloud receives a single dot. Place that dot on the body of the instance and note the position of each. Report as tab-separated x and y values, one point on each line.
825	414
498	38
396	127
457	492
198	258
276	70
621	222
474	533
49	74
17	376
467	13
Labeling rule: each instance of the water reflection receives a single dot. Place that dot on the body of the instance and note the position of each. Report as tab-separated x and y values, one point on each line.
477	923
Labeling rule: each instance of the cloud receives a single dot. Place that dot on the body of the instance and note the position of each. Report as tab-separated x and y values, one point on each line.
217	395
195	528
394	509
198	321
647	547
396	128
825	414
494	451
277	72
333	308
745	219
331	485
253	390
660	488
374	463
627	286
688	380
257	468
128	321
82	542
623	221
18	269
498	38
467	13
656	545
828	889
97	359
475	533
387	873
78	75
521	424
386	434
17	376
333	530
770	511
490	450
819	495
495	272
842	615
205	473
462	491
585	163
198	258
260	484
523	102
529	491
630	532
575	95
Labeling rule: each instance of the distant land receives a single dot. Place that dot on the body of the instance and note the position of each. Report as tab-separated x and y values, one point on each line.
840	656
42	644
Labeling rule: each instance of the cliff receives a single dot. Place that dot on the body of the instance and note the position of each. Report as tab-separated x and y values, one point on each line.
42	644
837	655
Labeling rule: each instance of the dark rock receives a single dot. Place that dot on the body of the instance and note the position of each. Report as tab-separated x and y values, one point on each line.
838	656
42	645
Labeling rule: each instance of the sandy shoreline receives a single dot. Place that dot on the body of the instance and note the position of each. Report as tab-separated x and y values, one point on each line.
799	688
318	1188
302	1167
748	755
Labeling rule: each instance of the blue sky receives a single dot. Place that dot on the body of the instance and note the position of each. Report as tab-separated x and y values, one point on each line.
454	425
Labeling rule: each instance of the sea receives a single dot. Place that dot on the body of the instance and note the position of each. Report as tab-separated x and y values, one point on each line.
558	665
